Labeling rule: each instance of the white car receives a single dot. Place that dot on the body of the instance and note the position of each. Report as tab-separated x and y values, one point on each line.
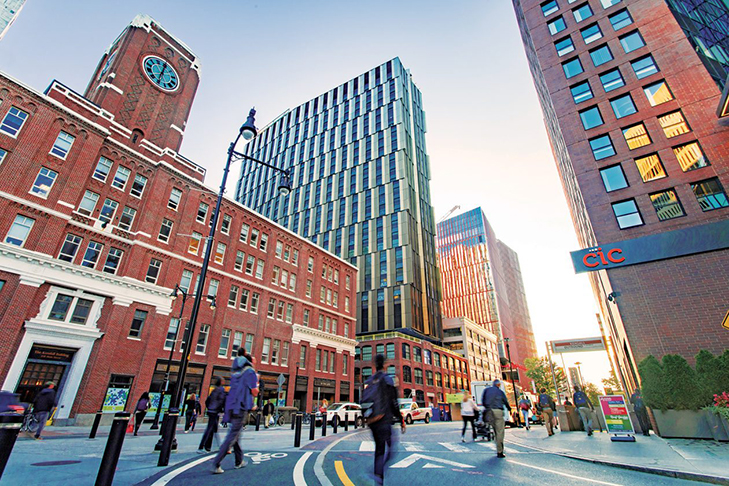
337	411
411	412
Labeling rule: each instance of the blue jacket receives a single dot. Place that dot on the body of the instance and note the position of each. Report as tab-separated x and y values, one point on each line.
239	397
216	400
494	398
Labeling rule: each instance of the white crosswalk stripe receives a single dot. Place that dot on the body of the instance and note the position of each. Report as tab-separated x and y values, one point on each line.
413	447
367	446
452	446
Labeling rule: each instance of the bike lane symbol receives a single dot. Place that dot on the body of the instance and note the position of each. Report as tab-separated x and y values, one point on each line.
259	457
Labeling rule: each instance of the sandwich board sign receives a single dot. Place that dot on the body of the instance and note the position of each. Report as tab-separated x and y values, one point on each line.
617	418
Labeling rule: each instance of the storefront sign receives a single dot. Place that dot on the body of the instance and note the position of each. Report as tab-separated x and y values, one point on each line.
115	400
616	414
669	244
48	353
578	345
454	397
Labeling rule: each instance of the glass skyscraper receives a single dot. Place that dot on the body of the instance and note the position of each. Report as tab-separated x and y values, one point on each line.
9	11
361	190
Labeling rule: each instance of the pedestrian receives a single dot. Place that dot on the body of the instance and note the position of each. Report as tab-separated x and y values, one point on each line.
238	404
379	401
268	410
584	408
567	402
639	406
494	399
43	404
468	414
524	407
547	407
192	409
140	411
214	404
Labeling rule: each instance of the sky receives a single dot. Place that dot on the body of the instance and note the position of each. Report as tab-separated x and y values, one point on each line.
486	138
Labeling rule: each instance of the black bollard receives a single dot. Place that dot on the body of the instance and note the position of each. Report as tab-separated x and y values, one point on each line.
258	421
95	425
312	428
335	424
9	428
297	430
113	449
169	426
164	417
355	421
346	422
293	420
324	425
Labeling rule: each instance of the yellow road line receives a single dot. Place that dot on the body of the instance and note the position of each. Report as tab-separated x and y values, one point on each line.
342	474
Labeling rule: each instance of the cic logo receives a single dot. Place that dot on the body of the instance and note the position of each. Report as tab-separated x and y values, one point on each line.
598	257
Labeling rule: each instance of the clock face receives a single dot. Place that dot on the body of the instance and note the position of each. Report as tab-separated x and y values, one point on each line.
161	73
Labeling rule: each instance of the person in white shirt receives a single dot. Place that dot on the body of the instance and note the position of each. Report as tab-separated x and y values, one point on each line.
469	409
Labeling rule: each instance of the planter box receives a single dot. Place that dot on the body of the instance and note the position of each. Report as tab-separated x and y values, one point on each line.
718	430
683	424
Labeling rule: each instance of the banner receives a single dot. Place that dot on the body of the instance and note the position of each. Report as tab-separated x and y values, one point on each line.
615	411
454	397
115	400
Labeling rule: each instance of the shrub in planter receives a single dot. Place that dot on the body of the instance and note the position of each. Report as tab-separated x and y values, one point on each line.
655	392
681	380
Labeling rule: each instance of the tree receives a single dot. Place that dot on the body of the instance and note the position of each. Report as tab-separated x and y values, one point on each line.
613	383
682	381
592	393
538	370
652	377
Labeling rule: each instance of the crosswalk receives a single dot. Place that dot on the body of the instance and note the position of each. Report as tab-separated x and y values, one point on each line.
369	446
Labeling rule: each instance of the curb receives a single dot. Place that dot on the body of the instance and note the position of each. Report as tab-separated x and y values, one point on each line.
672	473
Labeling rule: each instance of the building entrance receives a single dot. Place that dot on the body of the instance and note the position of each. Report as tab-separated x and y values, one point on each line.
44	364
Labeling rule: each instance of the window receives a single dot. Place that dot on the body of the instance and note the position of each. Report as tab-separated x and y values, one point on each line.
244	230
406	374
609	3
564	46
614	178
272	308
601	55
194	244
572	68
366	353
690	156
70	248
636	136
591	33
174	201
302	357
121	177
172	333
220	253
673	124
627	214
417	354
239	257
88	203
612	80
650	168
213	288
202	339
249	265
345	364
108	210
667	205
390	351
620	19
658	93
244	295
43	182
233	296
19	230
275	351
62	145
255	298
285	354
591	118
290	313
280	311
279	249
405	351
264	242
13	121
644	67
91	257
265	353
548	8
259	269
153	271
138	186
710	194
623	106
224	342
556	26
3	153
237	341
295	257
165	230
310	264
202	213
275	275
347	282
127	218
632	41
249	343
137	323
254	237
602	147
102	169
225	224
186	280
582	12
426	357
292	282
63	303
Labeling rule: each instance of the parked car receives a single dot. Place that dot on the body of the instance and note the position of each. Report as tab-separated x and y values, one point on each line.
337	411
9	404
411	411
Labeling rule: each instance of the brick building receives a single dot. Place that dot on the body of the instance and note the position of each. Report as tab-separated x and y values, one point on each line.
103	218
479	346
629	90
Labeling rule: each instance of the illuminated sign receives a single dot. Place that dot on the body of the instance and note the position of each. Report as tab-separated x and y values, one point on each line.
577	345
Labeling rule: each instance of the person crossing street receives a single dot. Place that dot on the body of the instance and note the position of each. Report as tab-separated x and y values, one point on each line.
213	405
494	400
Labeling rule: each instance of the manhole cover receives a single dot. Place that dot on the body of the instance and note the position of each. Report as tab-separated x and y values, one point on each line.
55	463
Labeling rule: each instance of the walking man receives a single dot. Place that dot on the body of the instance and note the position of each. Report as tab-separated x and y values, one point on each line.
214	404
639	406
140	411
379	401
268	409
44	402
584	408
547	407
494	399
239	402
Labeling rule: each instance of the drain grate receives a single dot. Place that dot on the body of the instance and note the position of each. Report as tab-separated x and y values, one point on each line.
55	463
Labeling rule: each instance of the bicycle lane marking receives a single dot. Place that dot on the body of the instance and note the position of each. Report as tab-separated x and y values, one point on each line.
176	472
299	470
319	464
581	478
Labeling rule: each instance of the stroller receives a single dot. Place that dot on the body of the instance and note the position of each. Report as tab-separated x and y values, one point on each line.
483	426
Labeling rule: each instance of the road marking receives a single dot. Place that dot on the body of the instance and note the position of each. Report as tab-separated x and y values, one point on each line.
413	447
259	457
173	474
319	464
454	447
432	466
413	458
367	446
342	474
561	473
299	470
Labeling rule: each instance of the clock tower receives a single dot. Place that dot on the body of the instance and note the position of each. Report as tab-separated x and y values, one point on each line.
147	80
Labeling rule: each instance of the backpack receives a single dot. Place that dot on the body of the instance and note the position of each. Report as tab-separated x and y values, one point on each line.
524	405
544	400
580	399
374	399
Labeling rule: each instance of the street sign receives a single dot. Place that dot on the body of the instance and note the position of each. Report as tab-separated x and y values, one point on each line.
281	379
725	322
578	345
615	411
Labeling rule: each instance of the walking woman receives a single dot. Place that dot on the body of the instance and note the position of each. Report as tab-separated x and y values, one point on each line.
524	407
469	410
140	411
191	411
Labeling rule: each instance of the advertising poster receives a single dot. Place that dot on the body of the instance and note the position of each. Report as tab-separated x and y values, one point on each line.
616	414
154	401
115	400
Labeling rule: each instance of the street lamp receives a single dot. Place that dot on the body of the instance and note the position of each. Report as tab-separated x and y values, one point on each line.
247	131
511	373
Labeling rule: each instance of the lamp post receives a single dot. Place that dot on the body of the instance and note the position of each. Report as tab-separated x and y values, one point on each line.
511	373
247	132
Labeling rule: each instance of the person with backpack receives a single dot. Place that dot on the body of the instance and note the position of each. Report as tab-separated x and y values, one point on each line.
495	401
524	407
547	407
213	406
140	411
584	408
379	405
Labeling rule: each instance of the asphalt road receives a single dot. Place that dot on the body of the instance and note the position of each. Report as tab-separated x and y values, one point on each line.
425	455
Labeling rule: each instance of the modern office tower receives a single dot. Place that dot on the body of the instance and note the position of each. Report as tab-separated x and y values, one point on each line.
481	280
629	91
360	176
9	11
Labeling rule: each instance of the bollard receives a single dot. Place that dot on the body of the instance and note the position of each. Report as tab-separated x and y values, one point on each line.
168	437
335	424
355	421
324	425
293	420
258	421
312	428
164	417
113	449
346	421
95	426
9	429
297	431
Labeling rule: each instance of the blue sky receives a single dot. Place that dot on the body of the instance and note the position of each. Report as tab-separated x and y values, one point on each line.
486	138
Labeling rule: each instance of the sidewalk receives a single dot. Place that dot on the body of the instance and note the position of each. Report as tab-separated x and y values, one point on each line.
67	456
701	460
